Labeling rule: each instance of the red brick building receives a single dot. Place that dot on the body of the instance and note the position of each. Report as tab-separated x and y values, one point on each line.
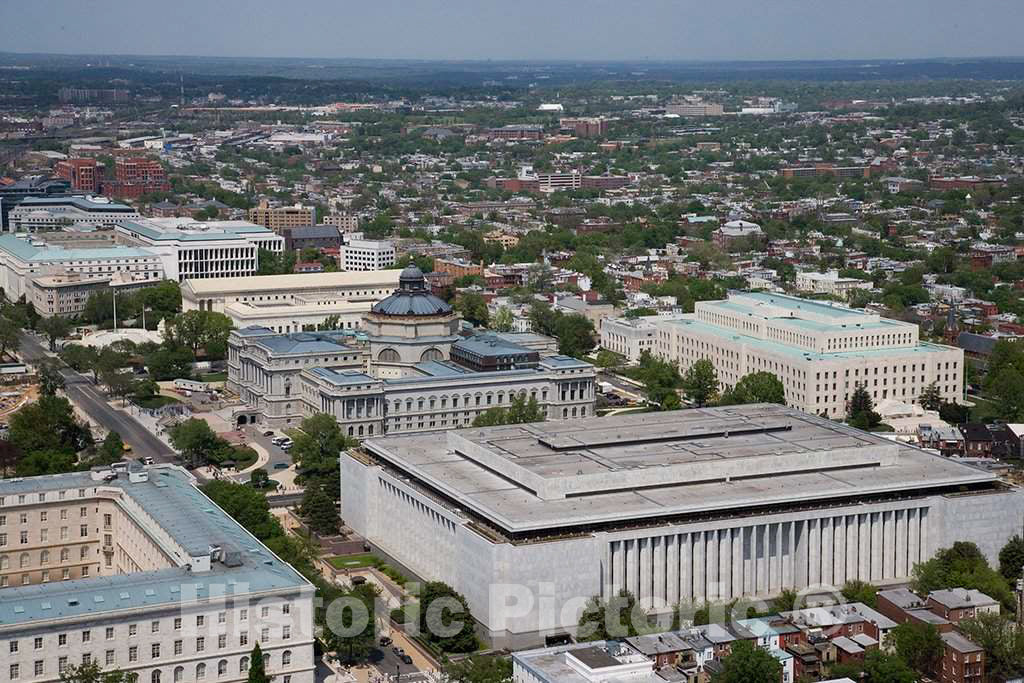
135	176
83	174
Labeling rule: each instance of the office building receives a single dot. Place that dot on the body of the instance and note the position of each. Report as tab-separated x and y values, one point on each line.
312	237
695	107
22	261
826	169
137	570
39	214
345	222
366	255
84	175
820	351
528	521
67	294
629	337
190	249
830	283
36	186
291	303
135	176
281	217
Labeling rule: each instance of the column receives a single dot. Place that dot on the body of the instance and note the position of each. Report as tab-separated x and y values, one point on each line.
853	553
685	567
711	564
913	538
620	566
802	533
813	534
607	571
672	575
877	552
737	561
789	554
699	564
749	550
659	593
901	544
633	566
724	564
889	544
925	540
864	547
644	594
776	558
761	559
827	556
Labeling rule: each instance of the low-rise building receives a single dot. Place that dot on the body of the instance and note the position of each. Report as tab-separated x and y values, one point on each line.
830	283
38	214
278	218
200	250
366	255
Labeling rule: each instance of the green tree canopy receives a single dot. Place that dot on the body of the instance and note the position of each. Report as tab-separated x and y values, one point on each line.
748	663
619	617
918	644
961	565
478	669
756	387
448	625
700	383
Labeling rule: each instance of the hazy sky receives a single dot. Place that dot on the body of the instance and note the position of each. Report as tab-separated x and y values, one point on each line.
519	29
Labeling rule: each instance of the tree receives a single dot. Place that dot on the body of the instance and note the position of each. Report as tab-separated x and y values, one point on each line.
918	644
1002	641
169	361
619	617
860	410
575	335
92	673
259	478
319	511
520	411
473	308
194	441
10	333
112	448
448	625
1011	559
257	667
961	565
880	667
860	591
748	663
201	329
49	377
478	669
354	645
81	358
316	449
931	397
48	431
54	328
700	383
608	359
756	387
503	320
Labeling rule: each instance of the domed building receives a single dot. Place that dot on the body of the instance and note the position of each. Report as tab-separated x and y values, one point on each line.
410	326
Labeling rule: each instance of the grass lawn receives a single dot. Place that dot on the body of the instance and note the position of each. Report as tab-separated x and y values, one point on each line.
983	408
244	457
155	402
214	377
357	561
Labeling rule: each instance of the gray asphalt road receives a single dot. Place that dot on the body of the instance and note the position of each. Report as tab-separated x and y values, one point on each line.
93	402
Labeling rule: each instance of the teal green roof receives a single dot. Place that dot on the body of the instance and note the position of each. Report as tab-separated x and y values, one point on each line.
29	252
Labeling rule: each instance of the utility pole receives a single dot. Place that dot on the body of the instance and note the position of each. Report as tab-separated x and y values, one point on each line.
113	294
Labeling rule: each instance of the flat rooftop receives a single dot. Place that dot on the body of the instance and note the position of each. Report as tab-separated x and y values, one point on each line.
628	468
187	516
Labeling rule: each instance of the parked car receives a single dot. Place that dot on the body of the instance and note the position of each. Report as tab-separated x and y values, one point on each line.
280	465
385	641
405	658
268	433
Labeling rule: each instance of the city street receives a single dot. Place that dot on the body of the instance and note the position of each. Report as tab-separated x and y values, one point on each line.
93	402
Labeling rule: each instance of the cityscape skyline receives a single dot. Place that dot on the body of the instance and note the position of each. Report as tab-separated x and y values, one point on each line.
428	30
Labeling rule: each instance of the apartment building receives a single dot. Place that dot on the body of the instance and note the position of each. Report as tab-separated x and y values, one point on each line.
830	283
193	250
281	217
135	176
83	174
366	255
821	352
134	568
345	222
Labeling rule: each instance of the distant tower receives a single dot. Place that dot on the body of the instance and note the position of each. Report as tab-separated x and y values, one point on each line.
952	330
181	78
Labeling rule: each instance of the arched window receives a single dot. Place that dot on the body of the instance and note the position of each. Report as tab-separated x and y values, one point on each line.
360	430
65	554
389	356
155	676
243	664
432	354
266	660
222	667
4	562
200	671
23	560
350	431
286	657
179	674
44	557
